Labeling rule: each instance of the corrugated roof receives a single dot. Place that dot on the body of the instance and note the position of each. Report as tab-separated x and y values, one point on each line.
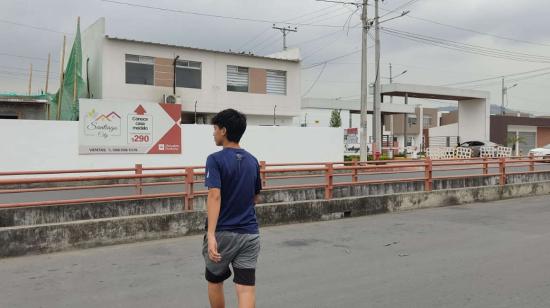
200	49
13	98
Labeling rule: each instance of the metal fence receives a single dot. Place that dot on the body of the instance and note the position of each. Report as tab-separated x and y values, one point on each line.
188	182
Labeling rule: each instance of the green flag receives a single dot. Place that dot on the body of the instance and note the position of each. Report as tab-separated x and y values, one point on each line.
72	84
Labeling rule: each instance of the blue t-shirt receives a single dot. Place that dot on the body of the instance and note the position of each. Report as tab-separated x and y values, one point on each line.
237	174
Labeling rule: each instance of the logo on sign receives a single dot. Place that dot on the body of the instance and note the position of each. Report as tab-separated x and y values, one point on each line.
102	125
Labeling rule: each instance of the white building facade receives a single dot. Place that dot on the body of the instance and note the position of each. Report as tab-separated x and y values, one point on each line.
266	89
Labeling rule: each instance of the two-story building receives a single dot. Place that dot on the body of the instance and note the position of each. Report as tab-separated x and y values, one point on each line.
266	88
408	128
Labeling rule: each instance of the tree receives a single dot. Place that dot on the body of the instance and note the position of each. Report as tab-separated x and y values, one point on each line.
335	119
514	139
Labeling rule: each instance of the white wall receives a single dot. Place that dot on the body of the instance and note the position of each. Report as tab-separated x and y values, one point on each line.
444	131
92	48
213	96
47	145
473	119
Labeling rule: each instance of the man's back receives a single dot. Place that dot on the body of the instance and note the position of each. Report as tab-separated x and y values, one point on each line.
236	173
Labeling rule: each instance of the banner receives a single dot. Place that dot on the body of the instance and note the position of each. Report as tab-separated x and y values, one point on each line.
111	127
351	141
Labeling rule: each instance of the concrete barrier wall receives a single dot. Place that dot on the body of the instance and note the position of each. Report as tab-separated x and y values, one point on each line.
23	240
74	212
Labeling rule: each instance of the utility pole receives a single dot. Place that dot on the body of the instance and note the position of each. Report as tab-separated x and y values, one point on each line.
285	30
377	115
391	81
364	83
502	101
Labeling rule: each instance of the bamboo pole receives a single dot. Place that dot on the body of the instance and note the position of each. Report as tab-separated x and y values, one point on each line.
30	80
62	79
75	80
48	72
46	87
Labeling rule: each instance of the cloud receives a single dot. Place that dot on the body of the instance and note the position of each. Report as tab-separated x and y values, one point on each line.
524	20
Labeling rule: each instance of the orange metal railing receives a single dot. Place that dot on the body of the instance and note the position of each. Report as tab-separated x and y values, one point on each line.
322	175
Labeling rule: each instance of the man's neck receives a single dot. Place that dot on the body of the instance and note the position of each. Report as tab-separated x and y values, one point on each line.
232	145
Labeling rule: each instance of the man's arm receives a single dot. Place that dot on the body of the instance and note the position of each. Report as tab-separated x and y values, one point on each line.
213	205
258	185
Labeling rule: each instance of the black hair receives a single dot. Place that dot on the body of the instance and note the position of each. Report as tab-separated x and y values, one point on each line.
233	121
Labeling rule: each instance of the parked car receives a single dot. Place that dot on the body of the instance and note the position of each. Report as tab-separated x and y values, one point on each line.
476	145
543	152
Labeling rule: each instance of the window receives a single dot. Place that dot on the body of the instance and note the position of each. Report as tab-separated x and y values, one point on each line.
188	74
427	121
237	78
411	119
409	141
276	82
140	69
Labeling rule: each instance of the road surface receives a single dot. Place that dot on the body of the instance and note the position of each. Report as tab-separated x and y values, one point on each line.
479	255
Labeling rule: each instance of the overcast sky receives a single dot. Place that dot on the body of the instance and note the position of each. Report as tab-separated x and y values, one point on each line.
524	23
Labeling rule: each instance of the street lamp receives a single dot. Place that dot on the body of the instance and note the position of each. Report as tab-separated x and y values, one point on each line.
505	93
274	116
195	112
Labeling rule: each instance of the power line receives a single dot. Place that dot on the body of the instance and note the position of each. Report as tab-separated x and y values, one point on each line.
270	41
468	48
471	30
324	45
398	8
325	16
216	16
499	77
24	74
254	38
34	27
332	59
465	45
25	69
316	80
25	57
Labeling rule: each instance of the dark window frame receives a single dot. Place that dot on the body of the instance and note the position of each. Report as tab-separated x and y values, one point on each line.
135	63
190	67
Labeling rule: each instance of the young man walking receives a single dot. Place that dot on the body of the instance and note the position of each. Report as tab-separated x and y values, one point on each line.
233	181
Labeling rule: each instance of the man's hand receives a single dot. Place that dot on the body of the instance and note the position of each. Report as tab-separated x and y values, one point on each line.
213	249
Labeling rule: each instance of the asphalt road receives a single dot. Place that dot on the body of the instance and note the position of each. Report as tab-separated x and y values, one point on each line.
109	192
479	255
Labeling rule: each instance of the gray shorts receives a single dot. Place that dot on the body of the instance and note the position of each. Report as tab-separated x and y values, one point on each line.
239	250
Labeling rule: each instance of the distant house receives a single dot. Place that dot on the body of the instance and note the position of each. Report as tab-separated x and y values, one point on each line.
23	107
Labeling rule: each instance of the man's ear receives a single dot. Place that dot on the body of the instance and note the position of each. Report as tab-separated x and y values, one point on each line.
224	131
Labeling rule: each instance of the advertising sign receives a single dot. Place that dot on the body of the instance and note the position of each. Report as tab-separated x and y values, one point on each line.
129	128
351	141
